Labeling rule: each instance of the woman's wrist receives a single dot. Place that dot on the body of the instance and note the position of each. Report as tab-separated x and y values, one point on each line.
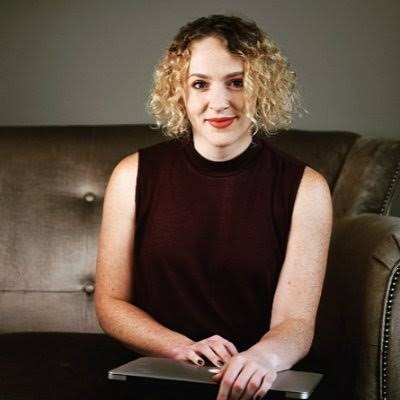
262	353
173	350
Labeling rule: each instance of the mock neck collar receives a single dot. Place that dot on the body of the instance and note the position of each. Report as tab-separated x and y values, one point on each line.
223	168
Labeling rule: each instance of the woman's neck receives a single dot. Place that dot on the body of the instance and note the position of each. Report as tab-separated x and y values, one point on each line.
221	150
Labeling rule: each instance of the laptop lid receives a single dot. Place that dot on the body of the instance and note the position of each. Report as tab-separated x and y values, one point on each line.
295	384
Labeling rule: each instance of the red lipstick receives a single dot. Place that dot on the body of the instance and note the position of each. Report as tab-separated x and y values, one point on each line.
221	123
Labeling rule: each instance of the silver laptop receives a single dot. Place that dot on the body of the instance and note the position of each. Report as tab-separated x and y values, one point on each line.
295	384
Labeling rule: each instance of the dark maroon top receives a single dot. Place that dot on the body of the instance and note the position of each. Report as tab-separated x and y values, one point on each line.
211	237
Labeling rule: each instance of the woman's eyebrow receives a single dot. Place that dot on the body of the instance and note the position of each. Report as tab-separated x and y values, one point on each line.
207	77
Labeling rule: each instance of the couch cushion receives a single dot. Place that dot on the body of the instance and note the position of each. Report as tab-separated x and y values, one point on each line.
52	182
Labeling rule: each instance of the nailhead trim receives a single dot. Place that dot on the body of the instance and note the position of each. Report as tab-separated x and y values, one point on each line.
389	190
385	334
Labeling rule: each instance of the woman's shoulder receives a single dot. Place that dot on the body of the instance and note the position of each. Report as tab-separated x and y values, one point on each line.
130	163
165	147
125	171
314	183
281	156
146	161
296	172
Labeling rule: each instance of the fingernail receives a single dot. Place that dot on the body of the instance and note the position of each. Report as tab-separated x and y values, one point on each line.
200	361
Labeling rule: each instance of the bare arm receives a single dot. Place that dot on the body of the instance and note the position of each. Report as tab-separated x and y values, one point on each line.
114	271
300	283
296	298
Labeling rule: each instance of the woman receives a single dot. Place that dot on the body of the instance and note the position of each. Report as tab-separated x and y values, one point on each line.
217	254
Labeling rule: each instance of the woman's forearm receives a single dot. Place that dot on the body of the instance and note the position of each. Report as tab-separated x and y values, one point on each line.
285	344
137	329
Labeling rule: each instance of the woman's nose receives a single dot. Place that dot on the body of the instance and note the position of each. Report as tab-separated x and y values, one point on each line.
219	109
218	98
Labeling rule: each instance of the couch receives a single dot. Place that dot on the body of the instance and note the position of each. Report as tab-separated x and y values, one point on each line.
52	182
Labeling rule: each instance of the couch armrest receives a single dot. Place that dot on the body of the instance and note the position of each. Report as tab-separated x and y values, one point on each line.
368	179
358	324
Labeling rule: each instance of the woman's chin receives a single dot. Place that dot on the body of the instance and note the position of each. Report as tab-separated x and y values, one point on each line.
221	139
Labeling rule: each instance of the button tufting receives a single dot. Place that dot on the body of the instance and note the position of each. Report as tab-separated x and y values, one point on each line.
89	288
89	197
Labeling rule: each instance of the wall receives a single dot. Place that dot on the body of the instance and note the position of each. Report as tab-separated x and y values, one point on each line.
90	62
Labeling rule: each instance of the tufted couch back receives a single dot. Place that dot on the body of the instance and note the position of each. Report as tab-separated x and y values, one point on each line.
52	182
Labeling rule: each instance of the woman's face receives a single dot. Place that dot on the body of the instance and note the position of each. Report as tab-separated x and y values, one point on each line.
214	97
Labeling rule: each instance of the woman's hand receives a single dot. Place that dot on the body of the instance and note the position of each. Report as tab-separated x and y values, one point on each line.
246	376
215	348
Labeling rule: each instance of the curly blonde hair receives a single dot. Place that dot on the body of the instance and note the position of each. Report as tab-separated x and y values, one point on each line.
269	81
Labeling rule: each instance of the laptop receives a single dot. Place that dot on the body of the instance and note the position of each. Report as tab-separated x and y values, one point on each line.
295	384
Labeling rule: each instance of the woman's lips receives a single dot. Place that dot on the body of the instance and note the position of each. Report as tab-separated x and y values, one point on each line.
221	123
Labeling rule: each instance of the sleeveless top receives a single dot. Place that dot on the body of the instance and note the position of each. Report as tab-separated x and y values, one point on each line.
211	237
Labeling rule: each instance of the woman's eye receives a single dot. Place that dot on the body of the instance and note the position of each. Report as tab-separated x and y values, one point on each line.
199	84
237	83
